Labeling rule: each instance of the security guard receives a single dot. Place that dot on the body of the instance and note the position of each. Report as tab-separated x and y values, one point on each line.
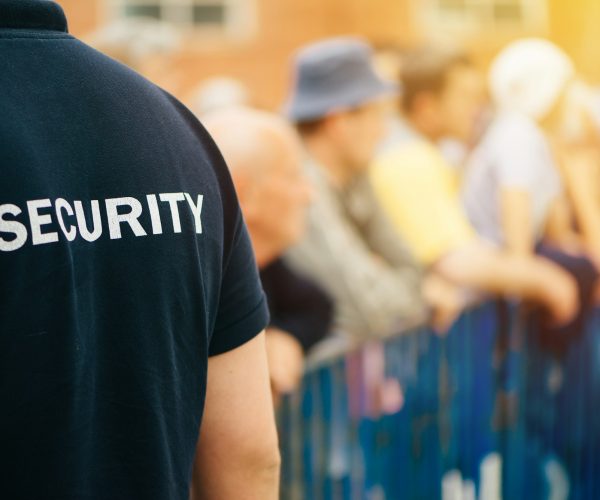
129	296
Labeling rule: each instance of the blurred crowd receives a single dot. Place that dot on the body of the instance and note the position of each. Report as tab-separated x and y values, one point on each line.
396	187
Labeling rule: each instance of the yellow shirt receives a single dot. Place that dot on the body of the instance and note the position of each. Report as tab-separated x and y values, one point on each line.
419	191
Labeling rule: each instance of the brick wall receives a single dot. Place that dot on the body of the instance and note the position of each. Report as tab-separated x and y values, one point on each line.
262	62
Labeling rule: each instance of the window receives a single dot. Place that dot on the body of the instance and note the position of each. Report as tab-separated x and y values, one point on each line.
231	17
486	14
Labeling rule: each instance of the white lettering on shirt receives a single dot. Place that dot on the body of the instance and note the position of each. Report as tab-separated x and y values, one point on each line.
72	222
62	204
96	231
154	214
196	210
172	199
38	220
115	218
11	226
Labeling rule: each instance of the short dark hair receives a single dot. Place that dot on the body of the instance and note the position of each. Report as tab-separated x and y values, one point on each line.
307	128
426	69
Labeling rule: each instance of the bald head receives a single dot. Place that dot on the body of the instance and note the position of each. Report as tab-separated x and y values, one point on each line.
263	155
251	141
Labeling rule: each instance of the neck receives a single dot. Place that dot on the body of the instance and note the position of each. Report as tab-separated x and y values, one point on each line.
263	252
423	127
328	156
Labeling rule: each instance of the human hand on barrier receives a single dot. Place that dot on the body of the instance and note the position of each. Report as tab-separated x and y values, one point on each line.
561	297
447	301
286	361
444	315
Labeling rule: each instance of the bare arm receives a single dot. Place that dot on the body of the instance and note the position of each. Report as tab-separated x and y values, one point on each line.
286	362
517	226
546	283
496	271
237	456
558	227
514	270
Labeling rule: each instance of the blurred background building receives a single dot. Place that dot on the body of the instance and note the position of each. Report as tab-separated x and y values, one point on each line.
252	40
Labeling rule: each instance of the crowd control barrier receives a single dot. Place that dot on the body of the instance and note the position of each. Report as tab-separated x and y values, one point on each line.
480	413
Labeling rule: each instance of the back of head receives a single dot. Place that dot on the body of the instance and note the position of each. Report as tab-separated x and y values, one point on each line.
248	139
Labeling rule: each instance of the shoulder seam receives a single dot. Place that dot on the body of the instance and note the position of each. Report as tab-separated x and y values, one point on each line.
35	36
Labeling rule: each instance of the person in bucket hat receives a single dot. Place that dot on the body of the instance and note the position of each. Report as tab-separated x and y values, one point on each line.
339	106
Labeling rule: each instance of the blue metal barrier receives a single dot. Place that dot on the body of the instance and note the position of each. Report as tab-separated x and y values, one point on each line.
482	413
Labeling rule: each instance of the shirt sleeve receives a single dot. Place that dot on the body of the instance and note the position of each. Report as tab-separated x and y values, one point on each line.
243	312
519	156
416	189
242	307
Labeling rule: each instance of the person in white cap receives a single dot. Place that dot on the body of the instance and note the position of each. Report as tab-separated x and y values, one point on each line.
513	190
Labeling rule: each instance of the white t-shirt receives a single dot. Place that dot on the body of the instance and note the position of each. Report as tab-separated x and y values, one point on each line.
514	153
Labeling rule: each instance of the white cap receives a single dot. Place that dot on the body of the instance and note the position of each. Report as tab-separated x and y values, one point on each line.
529	76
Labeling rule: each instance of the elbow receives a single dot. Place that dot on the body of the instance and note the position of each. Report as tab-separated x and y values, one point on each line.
262	459
263	470
266	461
272	465
245	472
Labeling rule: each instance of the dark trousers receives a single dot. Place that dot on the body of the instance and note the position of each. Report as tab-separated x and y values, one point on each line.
556	339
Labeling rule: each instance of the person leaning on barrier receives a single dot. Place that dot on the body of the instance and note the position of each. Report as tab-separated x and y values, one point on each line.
264	156
420	190
130	306
338	105
513	190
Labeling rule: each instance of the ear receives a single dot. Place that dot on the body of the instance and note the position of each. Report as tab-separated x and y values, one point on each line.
334	125
424	102
249	188
243	185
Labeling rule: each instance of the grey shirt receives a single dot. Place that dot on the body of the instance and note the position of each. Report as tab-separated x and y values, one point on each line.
513	154
353	252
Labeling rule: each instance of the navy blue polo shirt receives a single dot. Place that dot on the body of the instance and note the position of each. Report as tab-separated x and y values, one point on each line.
124	265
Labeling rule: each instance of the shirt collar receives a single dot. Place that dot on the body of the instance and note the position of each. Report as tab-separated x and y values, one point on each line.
32	15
